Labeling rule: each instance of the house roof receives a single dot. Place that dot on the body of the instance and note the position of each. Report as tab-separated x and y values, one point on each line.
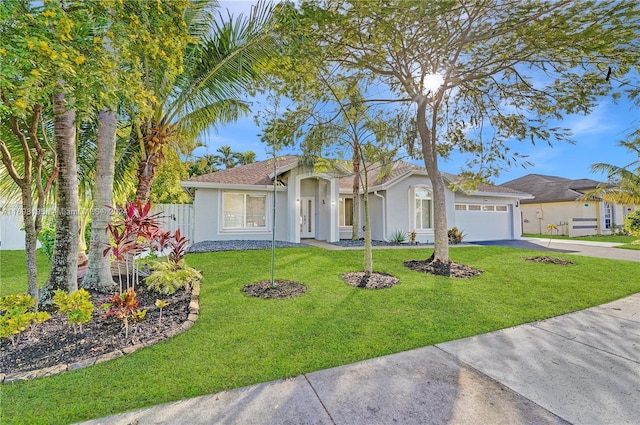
261	174
257	173
551	188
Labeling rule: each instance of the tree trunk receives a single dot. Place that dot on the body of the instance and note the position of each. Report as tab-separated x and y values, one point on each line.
355	224
64	262
99	269
146	173
430	154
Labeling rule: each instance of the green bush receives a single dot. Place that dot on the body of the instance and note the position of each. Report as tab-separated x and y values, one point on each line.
75	305
47	237
632	223
166	278
15	316
455	236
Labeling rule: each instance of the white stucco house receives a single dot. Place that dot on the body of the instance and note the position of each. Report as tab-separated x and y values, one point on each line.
238	204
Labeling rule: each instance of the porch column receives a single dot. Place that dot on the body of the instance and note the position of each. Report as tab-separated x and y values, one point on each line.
334	196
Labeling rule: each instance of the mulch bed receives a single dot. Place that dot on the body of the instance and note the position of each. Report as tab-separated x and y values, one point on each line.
372	281
549	260
440	268
281	289
54	341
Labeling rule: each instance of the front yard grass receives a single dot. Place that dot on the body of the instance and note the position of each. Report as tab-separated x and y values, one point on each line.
239	340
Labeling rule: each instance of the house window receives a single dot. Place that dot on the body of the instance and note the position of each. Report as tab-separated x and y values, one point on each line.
461	207
607	215
502	208
244	210
423	208
488	208
346	212
475	207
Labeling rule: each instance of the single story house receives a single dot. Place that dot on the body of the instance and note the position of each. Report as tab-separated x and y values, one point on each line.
558	200
237	203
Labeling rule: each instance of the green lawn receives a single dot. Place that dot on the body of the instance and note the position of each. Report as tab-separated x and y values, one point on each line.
13	278
239	341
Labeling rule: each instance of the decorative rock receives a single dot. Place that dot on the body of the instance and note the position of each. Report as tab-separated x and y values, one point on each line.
194	307
33	374
132	348
193	317
82	364
2	376
195	291
186	325
109	356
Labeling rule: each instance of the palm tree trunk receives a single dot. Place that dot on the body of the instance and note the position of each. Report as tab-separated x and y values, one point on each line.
64	270
99	269
146	173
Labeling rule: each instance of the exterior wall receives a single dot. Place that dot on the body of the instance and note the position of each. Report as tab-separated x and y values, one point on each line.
208	217
400	208
536	217
488	225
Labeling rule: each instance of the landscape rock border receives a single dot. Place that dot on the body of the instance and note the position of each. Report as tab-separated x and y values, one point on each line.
194	312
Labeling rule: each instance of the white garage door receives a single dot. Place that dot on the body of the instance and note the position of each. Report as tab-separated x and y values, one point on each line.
484	222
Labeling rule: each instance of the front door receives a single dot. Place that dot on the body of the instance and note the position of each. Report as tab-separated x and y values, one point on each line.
307	224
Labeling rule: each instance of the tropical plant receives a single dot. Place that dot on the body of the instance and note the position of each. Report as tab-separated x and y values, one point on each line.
161	304
220	64
16	316
124	307
624	181
398	236
166	277
76	306
455	236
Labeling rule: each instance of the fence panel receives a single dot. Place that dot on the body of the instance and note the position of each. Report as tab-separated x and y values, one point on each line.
177	216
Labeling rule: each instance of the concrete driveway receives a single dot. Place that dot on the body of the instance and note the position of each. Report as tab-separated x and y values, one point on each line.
586	248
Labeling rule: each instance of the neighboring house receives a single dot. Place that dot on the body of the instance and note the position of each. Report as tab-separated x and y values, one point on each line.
557	200
238	204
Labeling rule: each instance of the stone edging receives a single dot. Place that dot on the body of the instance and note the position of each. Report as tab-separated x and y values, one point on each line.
194	311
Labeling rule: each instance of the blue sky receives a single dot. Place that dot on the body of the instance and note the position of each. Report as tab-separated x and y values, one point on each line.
596	136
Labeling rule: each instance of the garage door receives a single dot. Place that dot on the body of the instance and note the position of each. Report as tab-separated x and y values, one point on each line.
484	222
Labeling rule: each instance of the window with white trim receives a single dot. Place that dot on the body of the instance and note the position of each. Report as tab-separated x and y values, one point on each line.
461	207
482	207
244	210
346	212
423	203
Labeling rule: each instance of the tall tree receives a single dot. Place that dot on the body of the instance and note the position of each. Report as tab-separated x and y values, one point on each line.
479	74
64	270
220	66
226	157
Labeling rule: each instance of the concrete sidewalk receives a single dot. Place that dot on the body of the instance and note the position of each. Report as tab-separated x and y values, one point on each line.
579	368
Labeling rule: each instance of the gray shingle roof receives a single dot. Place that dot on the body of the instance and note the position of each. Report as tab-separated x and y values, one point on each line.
550	188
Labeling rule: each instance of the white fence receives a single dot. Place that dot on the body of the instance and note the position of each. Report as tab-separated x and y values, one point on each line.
177	216
173	216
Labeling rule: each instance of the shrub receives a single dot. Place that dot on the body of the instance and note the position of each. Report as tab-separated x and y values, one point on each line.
124	307
398	236
47	237
16	317
76	306
161	304
632	223
455	236
166	278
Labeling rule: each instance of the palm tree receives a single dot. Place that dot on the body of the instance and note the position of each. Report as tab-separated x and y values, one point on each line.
227	157
244	158
626	190
218	70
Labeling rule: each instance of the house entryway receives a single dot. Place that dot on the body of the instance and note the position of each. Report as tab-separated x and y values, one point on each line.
307	217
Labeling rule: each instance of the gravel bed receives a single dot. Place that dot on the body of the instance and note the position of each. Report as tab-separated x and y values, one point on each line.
212	246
